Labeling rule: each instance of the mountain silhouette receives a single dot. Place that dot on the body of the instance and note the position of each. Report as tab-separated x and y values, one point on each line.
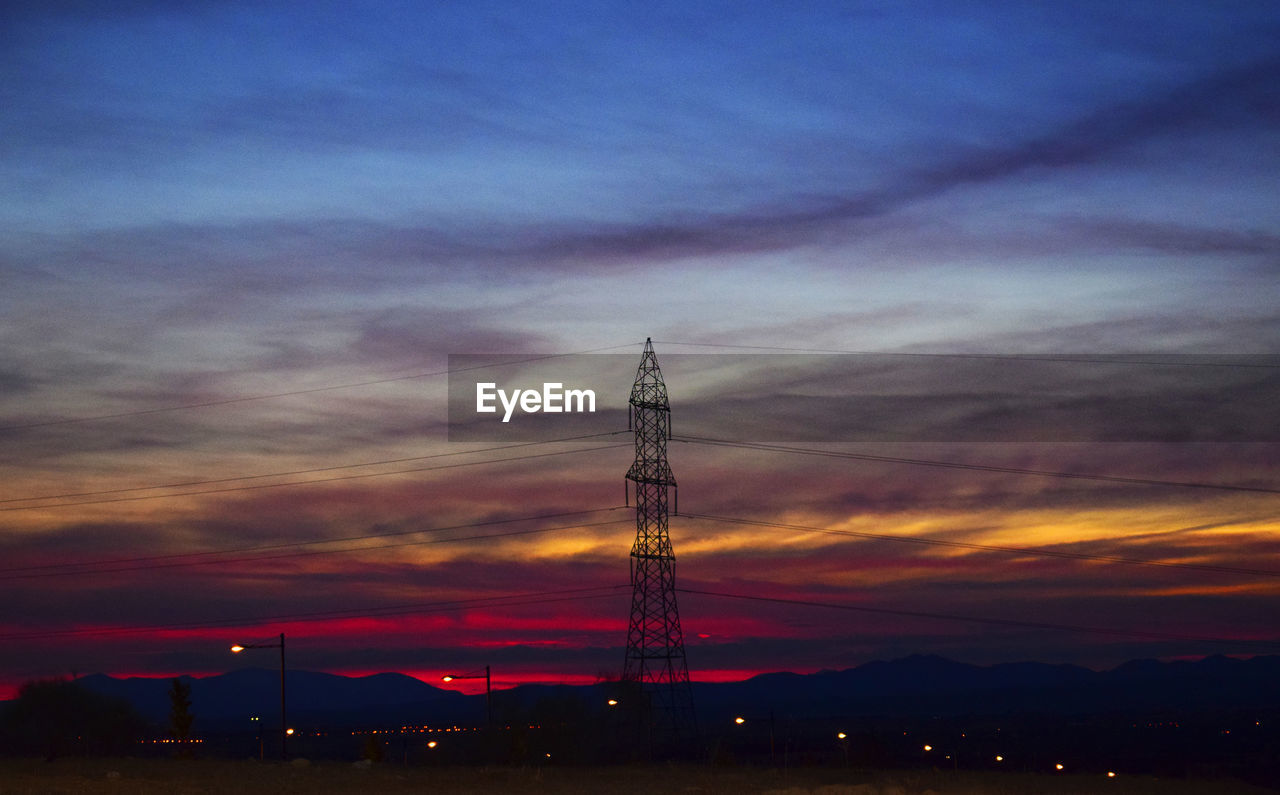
920	685
234	697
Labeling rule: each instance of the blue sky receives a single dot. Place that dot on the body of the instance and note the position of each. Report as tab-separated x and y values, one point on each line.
209	201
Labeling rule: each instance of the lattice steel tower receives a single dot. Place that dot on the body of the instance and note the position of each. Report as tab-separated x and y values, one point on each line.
655	645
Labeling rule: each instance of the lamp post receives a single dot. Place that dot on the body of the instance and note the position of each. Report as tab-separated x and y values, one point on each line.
773	759
284	730
488	691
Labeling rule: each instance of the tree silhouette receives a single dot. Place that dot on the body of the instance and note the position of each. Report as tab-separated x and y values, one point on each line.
180	717
55	717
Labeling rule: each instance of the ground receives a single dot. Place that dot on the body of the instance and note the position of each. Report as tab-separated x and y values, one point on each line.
182	777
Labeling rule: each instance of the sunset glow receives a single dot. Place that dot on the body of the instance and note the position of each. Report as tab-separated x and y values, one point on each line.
237	252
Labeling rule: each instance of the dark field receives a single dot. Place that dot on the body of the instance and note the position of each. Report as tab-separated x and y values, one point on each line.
210	776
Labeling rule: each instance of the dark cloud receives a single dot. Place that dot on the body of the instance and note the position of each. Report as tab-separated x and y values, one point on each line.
1173	238
1236	98
773	485
918	397
268	257
15	382
1192	330
403	334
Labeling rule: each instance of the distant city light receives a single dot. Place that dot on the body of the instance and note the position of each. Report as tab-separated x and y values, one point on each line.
928	748
999	758
1058	766
1111	774
236	649
613	702
841	735
288	731
739	720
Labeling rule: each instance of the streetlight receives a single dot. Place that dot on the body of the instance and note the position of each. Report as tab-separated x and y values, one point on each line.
488	691
284	731
773	757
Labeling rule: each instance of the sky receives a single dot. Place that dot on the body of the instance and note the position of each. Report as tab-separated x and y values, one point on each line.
240	241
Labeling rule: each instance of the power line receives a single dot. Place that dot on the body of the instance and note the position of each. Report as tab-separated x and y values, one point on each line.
511	600
989	547
413	376
1064	358
1137	633
291	473
310	391
778	448
231	489
188	558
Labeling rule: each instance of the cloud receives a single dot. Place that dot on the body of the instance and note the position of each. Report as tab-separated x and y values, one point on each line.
1232	99
1173	238
340	227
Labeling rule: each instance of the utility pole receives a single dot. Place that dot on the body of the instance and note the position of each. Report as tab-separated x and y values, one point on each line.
655	658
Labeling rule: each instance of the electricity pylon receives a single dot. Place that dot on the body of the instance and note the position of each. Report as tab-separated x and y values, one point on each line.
655	659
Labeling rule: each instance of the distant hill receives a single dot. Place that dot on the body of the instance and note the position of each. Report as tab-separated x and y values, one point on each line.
930	685
234	697
913	686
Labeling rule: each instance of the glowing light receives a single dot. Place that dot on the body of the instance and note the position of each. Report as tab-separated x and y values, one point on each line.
288	731
446	678
1058	766
613	702
236	649
432	744
739	721
841	735
1111	774
999	758
928	748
